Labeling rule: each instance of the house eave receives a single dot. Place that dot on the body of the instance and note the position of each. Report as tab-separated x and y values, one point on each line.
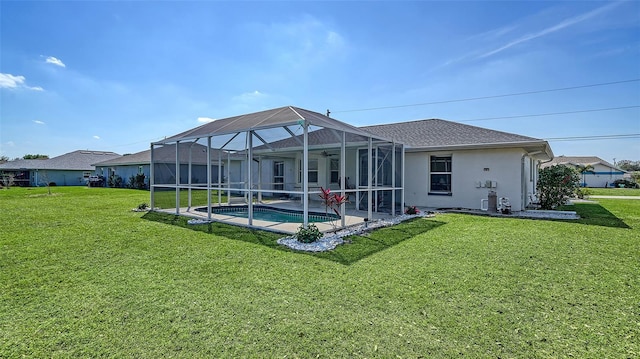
530	146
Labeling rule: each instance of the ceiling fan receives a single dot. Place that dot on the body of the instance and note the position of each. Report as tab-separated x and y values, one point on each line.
327	154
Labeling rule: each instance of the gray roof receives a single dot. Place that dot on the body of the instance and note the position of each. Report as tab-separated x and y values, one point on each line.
579	160
81	160
277	117
436	134
167	154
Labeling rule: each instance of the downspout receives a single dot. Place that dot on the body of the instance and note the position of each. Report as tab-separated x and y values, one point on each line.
209	178
177	177
523	183
152	181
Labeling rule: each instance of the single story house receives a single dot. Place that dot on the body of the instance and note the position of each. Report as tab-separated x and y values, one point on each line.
453	165
69	169
130	165
293	153
596	172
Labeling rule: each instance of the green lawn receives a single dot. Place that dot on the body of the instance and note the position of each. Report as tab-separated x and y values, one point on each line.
83	276
614	191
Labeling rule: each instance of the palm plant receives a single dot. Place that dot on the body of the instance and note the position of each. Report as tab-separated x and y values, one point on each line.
584	169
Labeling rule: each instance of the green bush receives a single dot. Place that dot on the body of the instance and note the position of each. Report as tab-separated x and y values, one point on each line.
556	184
583	192
309	234
137	181
115	181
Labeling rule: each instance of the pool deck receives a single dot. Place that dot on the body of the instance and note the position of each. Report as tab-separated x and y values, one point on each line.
352	216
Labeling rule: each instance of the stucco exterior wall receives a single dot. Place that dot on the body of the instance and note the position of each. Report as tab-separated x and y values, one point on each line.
59	177
602	176
470	170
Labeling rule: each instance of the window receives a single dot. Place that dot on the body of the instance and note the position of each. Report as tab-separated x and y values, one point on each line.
440	169
140	169
278	175
86	175
335	170
313	170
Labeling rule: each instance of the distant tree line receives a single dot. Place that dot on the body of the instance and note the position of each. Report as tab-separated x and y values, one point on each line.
628	165
4	159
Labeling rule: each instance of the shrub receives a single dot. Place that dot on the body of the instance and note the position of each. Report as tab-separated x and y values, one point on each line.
143	206
137	181
412	210
583	192
115	181
556	184
309	234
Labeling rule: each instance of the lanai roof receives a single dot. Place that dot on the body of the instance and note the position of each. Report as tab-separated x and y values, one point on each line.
277	117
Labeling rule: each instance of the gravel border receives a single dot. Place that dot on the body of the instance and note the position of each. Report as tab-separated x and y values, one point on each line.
332	240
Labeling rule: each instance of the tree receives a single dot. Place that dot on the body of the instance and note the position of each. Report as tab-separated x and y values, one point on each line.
556	184
4	159
583	169
35	157
44	179
629	165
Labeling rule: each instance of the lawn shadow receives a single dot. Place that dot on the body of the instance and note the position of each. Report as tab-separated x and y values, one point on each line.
595	215
356	248
362	246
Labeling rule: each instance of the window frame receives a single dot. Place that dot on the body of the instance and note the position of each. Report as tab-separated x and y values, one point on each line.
310	171
334	174
447	172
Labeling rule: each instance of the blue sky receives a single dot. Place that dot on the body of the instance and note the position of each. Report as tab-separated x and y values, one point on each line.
116	76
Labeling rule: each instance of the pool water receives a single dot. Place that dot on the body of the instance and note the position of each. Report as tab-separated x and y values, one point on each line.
271	214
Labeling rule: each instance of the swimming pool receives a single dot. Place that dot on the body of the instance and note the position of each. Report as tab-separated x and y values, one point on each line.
271	214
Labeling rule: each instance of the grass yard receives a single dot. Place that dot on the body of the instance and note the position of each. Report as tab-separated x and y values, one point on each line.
83	276
614	191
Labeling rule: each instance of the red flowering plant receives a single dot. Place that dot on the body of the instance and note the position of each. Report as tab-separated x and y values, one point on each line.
412	210
333	201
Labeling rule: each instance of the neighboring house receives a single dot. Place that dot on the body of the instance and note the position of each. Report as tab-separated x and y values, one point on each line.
70	169
600	173
428	163
128	166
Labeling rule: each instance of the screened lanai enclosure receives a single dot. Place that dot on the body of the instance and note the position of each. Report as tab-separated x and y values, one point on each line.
268	169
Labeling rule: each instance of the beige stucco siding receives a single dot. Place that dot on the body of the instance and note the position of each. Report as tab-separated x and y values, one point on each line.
469	167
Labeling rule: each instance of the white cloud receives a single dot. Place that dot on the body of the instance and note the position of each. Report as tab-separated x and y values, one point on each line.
13	82
96	137
549	30
55	61
249	96
205	119
11	144
304	42
38	122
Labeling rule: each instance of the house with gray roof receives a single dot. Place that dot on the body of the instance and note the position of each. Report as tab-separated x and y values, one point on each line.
69	169
131	165
596	172
454	165
293	153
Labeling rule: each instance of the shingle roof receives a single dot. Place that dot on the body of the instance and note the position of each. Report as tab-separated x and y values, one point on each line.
436	133
579	160
81	160
166	154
